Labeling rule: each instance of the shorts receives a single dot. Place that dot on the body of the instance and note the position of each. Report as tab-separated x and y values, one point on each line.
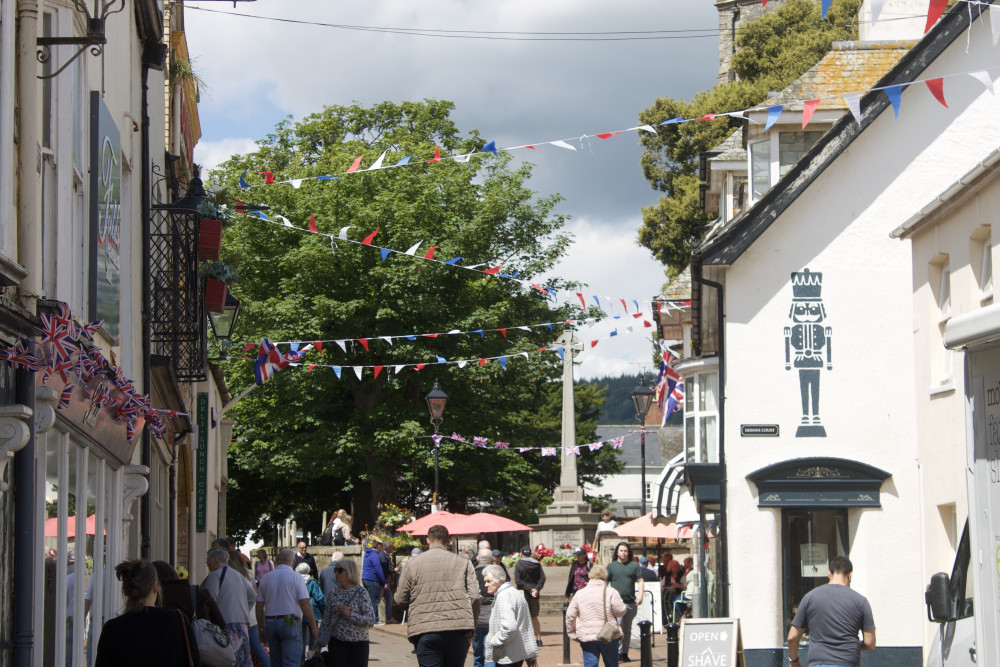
532	604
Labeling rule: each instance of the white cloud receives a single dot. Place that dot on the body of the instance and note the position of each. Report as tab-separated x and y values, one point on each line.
210	154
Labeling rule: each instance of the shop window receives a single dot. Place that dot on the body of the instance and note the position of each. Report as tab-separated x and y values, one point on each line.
810	539
701	418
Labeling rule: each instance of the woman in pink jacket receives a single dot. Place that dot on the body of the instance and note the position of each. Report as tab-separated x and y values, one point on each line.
586	617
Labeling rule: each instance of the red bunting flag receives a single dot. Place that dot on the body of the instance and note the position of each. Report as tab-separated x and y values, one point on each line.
808	109
311	367
934	12
534	149
582	302
593	343
312	224
482	362
433	335
419	367
239	207
936	86
378	369
268	177
368	239
646	324
494	270
623	305
318	344
608	135
503	332
249	346
430	253
354	165
437	155
708	116
364	343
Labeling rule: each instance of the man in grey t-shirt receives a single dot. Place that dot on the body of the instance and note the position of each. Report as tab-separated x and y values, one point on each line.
834	615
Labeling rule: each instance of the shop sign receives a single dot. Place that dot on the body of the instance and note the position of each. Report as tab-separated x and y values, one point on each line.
714	642
105	217
759	430
201	462
819	498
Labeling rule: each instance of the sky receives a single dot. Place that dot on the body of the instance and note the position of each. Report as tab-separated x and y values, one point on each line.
512	89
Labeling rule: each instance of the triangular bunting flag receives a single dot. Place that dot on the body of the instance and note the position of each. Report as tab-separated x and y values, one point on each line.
895	95
437	155
430	253
378	162
563	144
876	6
364	344
385	252
994	23
774	113
312	224
934	12
808	109
983	76
357	370
378	369
824	8
490	147
853	101
608	135
354	165
336	370
368	239
413	250
936	86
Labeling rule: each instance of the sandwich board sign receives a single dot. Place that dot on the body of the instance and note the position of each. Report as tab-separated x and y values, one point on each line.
711	642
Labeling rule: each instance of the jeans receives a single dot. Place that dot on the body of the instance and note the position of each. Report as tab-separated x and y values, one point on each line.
386	594
593	651
353	654
256	648
479	647
626	623
442	649
285	642
374	591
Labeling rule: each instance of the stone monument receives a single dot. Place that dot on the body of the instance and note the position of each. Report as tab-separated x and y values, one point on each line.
569	519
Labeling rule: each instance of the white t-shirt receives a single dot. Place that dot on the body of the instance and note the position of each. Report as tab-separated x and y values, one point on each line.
604	526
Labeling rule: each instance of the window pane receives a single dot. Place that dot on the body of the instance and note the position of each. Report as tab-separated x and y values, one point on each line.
689	441
792	146
707	389
760	167
986	280
811	539
709	440
690	386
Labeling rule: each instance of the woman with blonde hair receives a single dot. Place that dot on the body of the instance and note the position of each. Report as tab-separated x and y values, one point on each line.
346	526
145	634
347	618
591	607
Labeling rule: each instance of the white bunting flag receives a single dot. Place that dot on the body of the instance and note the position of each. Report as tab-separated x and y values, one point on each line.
853	101
563	144
378	162
984	77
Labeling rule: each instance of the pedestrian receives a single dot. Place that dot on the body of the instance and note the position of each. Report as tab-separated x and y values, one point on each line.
347	618
303	556
316	599
484	559
387	570
346	526
235	597
578	572
328	578
833	615
588	611
606	524
145	634
648	573
282	602
262	566
511	637
623	575
372	576
498	560
175	593
530	578
440	591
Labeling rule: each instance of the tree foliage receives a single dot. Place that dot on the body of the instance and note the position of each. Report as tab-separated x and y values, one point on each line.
773	51
306	441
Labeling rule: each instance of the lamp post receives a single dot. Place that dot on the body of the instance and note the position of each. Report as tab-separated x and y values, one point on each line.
436	400
642	398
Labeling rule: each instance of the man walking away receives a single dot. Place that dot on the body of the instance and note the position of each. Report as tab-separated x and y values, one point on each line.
484	558
833	615
328	578
530	578
388	571
442	594
282	602
623	574
235	597
372	576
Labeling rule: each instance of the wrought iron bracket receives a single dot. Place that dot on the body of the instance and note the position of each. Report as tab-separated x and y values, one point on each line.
95	39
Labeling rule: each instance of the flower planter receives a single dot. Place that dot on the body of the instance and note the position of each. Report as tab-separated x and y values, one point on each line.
209	239
215	295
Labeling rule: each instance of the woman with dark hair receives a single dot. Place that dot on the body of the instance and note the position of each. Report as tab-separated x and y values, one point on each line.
175	593
145	634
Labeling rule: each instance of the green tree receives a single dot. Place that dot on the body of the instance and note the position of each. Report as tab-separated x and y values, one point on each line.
773	51
306	441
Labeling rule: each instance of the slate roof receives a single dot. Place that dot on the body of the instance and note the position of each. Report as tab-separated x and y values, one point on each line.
629	454
731	148
848	67
679	289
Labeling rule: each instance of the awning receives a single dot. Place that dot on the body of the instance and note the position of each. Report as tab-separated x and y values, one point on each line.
818	482
668	488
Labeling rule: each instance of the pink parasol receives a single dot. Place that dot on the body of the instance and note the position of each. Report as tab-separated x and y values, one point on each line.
421	525
52	526
484	522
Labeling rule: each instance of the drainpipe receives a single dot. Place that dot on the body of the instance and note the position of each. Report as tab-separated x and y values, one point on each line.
25	559
723	534
29	154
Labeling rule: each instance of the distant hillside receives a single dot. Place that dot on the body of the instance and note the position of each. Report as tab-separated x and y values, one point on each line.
618	408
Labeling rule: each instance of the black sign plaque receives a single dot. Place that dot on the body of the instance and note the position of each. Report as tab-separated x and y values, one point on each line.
759	430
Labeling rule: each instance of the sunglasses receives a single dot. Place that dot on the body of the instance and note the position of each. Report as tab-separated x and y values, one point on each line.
338	570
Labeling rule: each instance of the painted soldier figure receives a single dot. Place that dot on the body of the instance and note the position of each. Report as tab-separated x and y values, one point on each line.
806	341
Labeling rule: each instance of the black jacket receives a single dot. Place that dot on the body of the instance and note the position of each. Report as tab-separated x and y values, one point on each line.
528	574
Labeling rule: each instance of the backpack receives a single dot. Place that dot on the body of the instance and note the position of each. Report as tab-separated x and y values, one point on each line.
338	539
326	539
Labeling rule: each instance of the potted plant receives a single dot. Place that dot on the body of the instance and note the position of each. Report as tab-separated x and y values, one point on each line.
213	218
217	273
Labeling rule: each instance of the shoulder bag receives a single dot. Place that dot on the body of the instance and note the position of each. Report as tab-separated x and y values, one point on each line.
610	628
213	643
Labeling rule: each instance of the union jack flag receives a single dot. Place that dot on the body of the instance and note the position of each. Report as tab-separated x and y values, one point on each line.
456	436
675	400
548	451
522	450
594	446
437	439
480	441
618	442
573	450
502	445
270	361
19	356
65	396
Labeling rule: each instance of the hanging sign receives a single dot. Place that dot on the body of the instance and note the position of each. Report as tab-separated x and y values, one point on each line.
105	216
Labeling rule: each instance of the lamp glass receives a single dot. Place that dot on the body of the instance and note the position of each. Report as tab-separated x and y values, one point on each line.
642	399
224	323
436	401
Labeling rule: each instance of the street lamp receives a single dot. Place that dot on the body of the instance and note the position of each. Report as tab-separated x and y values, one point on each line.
642	398
436	400
224	323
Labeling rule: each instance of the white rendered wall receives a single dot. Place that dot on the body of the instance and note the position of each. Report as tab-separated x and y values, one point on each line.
840	227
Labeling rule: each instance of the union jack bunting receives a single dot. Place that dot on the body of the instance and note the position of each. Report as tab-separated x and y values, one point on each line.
270	360
573	450
65	396
522	450
171	413
548	451
456	436
437	439
502	445
618	442
88	330
675	401
19	357
130	430
594	446
480	441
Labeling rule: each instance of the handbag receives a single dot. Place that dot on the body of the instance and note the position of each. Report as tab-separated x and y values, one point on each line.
610	628
213	643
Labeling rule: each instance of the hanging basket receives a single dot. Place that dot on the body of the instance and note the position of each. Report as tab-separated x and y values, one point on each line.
215	295
209	239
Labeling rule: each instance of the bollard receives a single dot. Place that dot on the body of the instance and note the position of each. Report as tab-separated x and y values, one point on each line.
565	634
645	647
673	644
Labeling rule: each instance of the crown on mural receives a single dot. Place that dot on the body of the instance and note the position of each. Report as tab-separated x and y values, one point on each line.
807	285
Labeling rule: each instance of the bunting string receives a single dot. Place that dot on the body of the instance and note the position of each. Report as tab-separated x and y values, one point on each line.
480	442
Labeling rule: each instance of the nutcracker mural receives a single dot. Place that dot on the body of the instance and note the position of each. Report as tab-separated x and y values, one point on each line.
807	342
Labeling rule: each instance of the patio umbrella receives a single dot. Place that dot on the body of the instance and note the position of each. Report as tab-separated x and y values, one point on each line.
420	526
484	522
52	526
644	527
